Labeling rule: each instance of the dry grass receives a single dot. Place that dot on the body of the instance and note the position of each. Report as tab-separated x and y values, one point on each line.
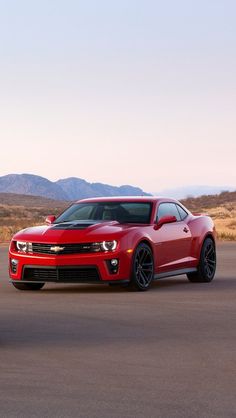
226	228
223	213
19	211
211	201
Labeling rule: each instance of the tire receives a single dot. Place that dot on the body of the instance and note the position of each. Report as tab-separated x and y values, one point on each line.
142	268
207	264
28	286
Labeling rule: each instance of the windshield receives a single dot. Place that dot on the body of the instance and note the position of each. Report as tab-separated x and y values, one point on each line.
123	212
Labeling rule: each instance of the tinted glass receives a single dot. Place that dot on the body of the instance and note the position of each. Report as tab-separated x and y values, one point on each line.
168	209
123	212
182	212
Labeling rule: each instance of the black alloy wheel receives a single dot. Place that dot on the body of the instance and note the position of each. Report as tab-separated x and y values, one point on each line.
142	268
28	286
207	265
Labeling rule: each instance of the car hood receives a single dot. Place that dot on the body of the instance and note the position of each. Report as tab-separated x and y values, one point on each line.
74	232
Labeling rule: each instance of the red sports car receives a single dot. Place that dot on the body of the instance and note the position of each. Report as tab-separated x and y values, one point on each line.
127	241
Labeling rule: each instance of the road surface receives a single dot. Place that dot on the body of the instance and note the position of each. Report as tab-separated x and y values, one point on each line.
95	351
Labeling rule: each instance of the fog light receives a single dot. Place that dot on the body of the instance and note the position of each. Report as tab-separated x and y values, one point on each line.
113	265
14	265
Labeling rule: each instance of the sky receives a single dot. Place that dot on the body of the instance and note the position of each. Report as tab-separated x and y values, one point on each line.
120	92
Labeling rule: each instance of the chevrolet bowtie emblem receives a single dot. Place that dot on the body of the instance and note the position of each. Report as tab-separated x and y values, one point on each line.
56	249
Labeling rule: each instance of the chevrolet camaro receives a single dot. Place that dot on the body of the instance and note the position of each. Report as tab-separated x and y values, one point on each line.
127	241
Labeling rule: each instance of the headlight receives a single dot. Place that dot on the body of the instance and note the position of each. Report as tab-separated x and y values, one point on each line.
109	245
25	247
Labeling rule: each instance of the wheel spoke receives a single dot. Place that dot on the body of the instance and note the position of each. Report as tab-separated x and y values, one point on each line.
143	256
212	262
143	266
147	273
209	251
147	269
208	270
144	277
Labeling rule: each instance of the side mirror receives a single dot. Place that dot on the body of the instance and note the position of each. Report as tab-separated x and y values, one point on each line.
165	220
50	219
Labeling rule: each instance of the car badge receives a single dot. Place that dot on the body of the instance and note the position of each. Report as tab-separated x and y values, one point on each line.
56	249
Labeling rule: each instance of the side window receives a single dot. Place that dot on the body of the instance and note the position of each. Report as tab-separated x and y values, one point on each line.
168	209
182	212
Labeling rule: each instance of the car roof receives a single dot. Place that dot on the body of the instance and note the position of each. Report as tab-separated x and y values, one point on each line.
134	199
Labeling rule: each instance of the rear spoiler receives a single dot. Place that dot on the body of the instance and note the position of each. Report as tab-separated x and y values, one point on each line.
200	214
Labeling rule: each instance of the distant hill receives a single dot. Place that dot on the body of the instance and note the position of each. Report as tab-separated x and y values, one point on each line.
28	201
77	188
210	201
29	184
193	191
65	189
20	211
197	203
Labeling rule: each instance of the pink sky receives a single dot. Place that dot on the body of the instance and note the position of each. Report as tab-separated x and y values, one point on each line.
128	93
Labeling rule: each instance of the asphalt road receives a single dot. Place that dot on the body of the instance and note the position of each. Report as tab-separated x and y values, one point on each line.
95	351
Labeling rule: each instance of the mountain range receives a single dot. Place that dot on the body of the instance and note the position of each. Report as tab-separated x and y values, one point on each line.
74	188
71	188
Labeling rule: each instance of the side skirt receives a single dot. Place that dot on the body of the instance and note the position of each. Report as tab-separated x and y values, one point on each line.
174	273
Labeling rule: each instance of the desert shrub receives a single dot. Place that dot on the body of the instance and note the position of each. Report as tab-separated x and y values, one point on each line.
232	224
226	236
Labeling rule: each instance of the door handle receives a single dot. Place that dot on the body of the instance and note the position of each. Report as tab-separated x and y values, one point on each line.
185	229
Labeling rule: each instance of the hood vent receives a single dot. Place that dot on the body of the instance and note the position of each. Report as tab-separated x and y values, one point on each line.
74	225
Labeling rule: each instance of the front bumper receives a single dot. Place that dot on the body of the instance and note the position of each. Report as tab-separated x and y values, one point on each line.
73	268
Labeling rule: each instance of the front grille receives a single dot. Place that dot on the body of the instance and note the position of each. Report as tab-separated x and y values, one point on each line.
81	248
61	274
